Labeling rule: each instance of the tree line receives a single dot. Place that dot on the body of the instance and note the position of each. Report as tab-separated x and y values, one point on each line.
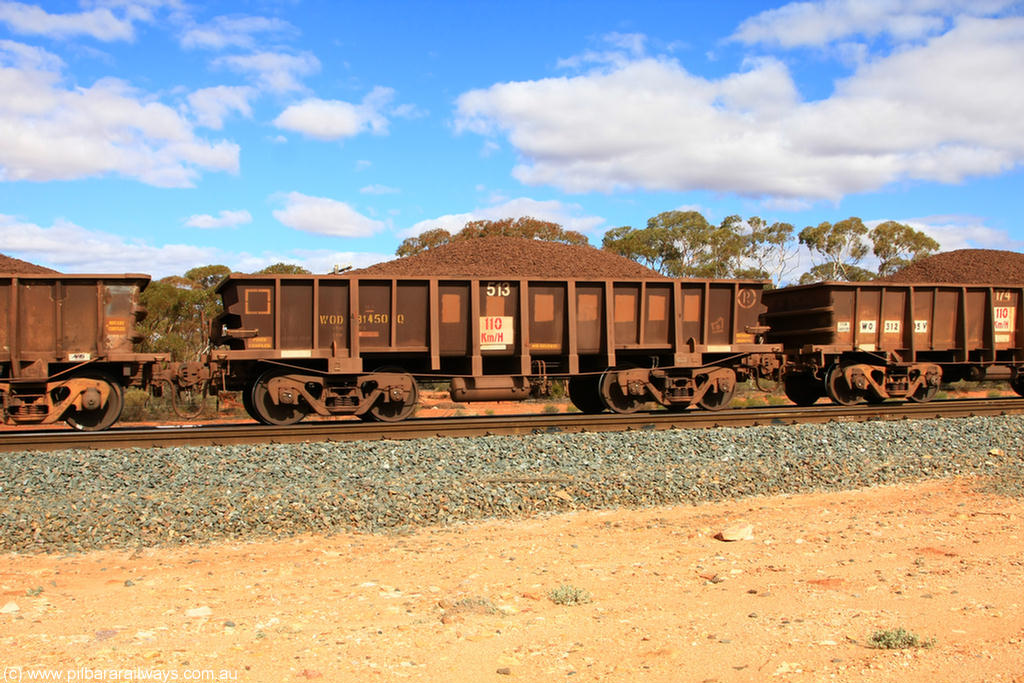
674	243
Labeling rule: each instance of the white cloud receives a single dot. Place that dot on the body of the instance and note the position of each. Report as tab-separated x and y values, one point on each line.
277	72
942	111
334	119
70	248
379	189
210	106
225	219
960	232
567	215
56	132
820	23
99	23
239	31
313	260
325	216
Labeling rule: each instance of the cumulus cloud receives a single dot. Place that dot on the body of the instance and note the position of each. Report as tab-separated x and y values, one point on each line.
961	232
569	216
99	23
334	119
819	23
71	248
277	72
944	110
225	219
324	216
233	31
53	131
210	106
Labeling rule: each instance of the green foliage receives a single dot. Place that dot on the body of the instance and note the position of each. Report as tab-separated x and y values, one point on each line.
567	594
685	244
423	241
681	244
283	269
180	310
770	250
897	639
897	246
841	246
525	227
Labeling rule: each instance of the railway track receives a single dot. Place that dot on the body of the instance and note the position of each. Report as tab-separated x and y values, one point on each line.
419	428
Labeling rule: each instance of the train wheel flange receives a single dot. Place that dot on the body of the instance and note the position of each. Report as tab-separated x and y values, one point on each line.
839	390
268	412
616	397
394	410
803	389
717	398
924	393
102	416
585	394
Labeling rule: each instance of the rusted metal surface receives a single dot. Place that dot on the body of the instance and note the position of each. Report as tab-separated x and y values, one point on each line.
66	347
880	340
351	430
493	338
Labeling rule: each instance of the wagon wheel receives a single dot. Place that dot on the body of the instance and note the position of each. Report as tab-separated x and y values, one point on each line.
874	399
925	393
392	411
263	407
103	416
584	392
1017	384
803	389
716	399
838	389
613	395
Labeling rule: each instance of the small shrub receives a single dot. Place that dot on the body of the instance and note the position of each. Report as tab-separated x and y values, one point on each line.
550	408
897	639
569	595
135	405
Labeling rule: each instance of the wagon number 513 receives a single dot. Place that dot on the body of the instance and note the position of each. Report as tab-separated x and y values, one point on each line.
499	289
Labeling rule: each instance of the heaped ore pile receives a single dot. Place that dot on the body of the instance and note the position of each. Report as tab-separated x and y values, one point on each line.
512	257
14	265
969	266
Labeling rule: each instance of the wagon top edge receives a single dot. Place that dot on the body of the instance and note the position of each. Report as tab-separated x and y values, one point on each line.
836	284
477	278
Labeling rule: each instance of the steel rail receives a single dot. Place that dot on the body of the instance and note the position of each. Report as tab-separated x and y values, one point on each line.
419	428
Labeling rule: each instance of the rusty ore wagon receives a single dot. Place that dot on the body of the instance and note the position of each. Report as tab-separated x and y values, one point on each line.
66	347
298	345
877	340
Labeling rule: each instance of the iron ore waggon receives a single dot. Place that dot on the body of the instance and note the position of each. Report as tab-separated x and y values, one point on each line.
298	345
67	347
872	341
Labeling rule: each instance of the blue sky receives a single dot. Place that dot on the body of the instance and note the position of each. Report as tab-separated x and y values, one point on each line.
158	135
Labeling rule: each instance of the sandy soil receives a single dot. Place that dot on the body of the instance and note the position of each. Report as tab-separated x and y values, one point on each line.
798	601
